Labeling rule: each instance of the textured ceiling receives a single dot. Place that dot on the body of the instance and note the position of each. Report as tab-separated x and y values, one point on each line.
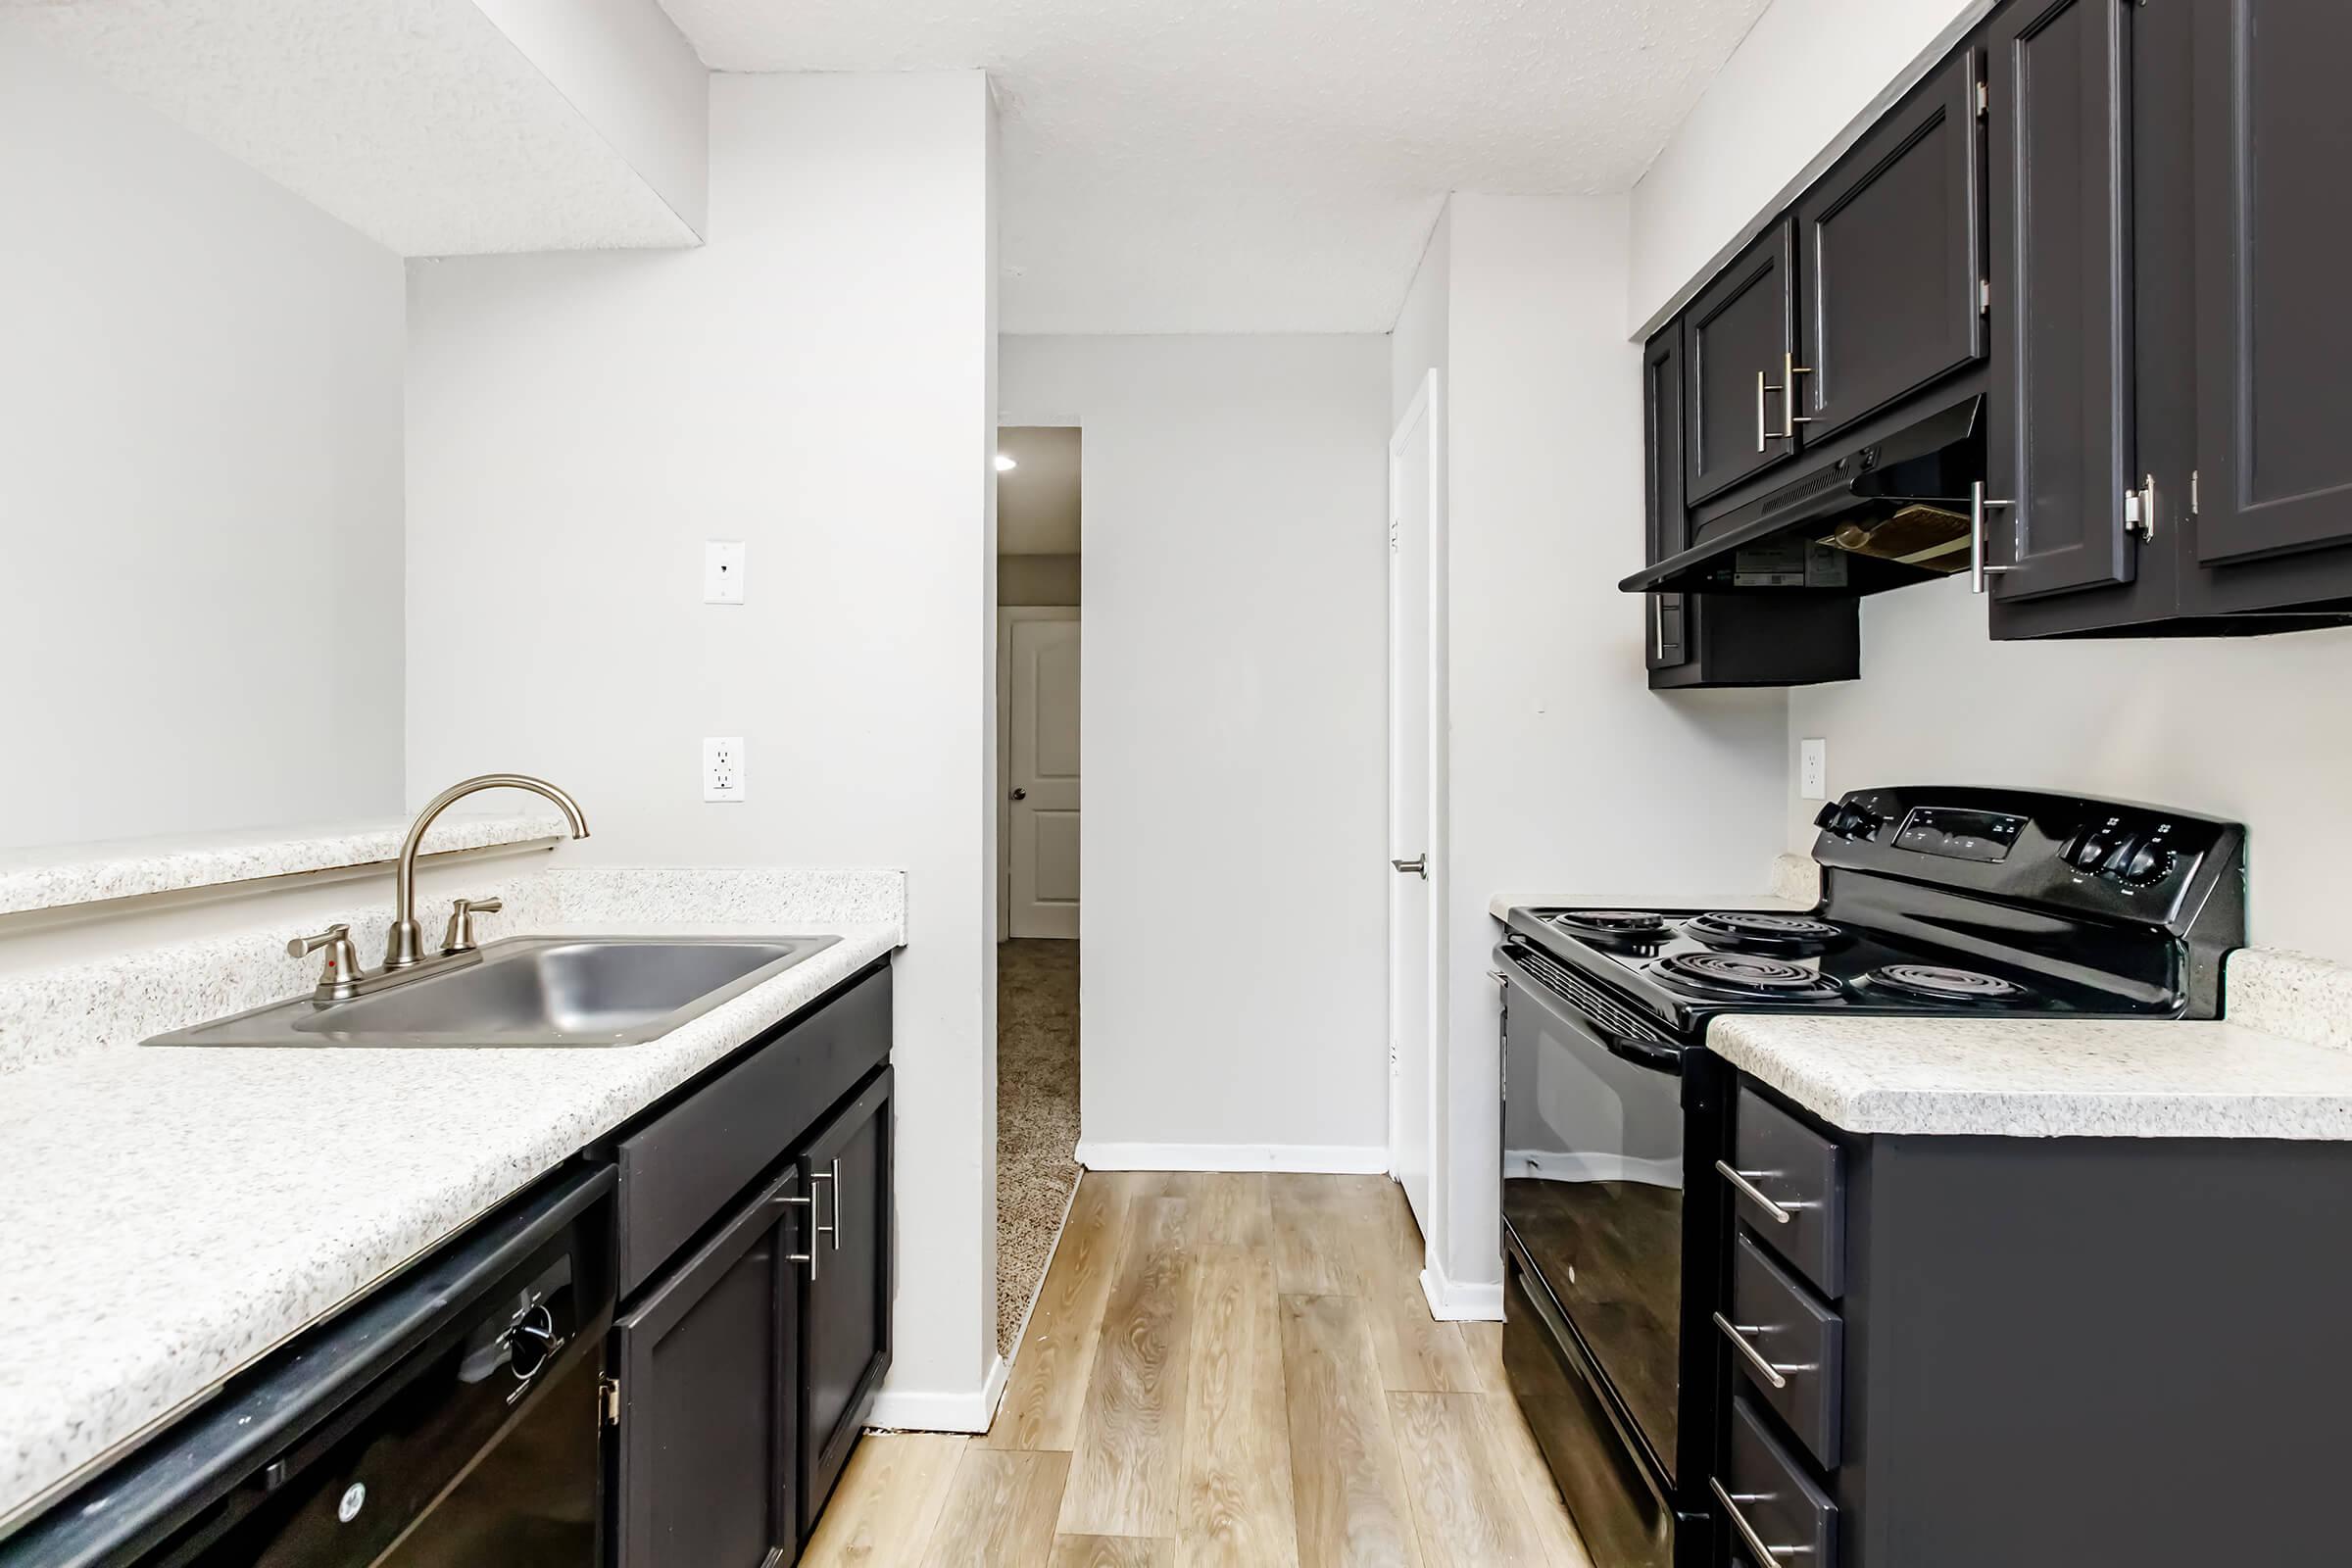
416	122
1260	165
1037	501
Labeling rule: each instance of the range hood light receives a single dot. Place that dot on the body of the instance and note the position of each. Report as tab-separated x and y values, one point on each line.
1004	463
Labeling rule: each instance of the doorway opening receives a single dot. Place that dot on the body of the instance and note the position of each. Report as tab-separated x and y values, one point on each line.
1038	626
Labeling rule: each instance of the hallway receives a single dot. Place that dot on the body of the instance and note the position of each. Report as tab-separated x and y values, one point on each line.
1223	1369
1037	1115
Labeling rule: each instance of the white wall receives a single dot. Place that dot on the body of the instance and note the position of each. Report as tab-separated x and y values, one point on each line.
1567	771
816	381
1419	342
1801	75
200	481
2250	729
1235	734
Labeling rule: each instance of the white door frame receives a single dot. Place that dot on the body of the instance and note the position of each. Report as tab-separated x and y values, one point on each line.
1428	401
1006	614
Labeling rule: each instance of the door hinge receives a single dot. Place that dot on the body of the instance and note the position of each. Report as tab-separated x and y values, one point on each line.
608	1400
1984	296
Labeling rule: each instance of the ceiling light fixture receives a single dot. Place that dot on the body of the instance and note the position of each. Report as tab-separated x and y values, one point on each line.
1004	463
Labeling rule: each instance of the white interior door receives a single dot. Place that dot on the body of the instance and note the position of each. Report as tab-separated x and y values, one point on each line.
1414	787
1042	773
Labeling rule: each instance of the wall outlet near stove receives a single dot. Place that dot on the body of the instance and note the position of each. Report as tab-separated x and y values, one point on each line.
722	767
1813	770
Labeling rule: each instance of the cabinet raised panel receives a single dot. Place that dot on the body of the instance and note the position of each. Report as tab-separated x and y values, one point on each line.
707	1365
2274	328
1739	336
1666	644
845	1320
2059	427
1890	249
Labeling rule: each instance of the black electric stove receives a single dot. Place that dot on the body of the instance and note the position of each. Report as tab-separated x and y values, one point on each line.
1937	901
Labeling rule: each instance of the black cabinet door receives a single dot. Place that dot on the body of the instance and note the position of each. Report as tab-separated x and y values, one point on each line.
2274	323
846	1311
704	1461
1891	257
1739	340
1666	642
2059	428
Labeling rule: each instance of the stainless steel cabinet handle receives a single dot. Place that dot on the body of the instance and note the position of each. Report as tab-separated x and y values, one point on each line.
1790	418
1755	1195
1748	1532
1760	425
1978	571
834	1230
1755	1357
1416	866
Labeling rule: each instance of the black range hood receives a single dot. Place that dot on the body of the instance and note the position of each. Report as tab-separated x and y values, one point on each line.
1879	512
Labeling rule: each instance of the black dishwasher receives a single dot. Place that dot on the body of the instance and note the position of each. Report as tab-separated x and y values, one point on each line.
451	1418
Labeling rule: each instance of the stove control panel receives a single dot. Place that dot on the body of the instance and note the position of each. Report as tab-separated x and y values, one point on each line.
1959	834
2111	858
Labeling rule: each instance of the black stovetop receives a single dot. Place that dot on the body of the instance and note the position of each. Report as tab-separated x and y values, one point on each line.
1937	901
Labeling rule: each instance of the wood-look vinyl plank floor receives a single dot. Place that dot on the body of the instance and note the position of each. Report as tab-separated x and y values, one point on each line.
1223	1371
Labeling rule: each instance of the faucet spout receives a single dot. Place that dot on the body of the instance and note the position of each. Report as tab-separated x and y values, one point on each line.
404	949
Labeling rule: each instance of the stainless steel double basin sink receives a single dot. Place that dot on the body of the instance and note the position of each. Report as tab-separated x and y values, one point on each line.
529	991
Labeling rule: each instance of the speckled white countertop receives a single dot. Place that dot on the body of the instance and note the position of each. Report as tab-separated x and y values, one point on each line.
167	1215
59	876
2276	1068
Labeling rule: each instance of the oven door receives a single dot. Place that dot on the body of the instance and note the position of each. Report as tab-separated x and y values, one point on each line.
1594	1165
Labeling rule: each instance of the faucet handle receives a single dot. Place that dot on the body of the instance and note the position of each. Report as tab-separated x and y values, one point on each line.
460	938
336	981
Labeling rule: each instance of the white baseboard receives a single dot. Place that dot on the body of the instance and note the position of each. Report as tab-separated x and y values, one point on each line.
913	1410
1450	1302
1329	1159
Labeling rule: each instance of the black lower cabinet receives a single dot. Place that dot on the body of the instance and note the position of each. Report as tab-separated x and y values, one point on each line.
846	1324
706	1451
755	1229
2042	1352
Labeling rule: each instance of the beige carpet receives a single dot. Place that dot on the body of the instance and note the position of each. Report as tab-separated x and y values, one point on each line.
1037	1115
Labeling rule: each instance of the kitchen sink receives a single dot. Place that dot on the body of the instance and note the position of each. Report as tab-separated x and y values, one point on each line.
529	991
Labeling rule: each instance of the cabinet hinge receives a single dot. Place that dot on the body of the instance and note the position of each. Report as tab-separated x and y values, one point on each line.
2140	510
1984	100
608	1400
2192	492
1984	296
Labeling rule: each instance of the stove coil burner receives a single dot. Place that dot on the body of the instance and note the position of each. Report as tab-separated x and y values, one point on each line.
1936	983
1741	974
1799	935
1619	925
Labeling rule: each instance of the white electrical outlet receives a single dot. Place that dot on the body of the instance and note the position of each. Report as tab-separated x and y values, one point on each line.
722	571
1813	770
722	767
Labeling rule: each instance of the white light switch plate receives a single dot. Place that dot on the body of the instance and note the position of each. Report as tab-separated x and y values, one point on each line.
1813	770
722	571
722	767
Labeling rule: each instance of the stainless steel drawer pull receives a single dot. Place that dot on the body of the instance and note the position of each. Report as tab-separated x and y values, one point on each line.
1778	1214
1755	1357
835	1227
1748	1532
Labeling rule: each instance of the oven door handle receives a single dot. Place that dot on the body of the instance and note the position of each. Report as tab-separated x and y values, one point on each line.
1641	1053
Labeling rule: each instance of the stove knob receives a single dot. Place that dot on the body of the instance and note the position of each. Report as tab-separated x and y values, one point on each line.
1849	821
2090	851
2141	863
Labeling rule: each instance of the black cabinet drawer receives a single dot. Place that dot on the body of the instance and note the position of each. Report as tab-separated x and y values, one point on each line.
680	1169
1789	1183
1791	1347
1772	1510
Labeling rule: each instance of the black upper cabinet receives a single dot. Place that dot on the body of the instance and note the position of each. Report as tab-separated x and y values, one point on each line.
2273	319
2059	425
846	1317
1739	336
707	1362
1890	258
1665	645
